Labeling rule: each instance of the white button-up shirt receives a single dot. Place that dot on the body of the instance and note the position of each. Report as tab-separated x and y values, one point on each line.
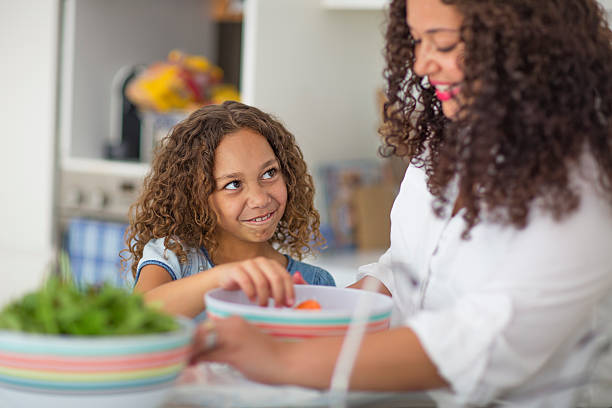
505	310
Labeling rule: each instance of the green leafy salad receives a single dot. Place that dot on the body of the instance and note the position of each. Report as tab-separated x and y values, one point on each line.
60	307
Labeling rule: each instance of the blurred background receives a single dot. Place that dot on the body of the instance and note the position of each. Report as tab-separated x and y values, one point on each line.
90	86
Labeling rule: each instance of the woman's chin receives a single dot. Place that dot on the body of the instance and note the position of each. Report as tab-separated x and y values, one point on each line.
450	109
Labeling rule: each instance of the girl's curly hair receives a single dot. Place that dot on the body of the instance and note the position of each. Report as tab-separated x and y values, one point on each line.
174	200
539	86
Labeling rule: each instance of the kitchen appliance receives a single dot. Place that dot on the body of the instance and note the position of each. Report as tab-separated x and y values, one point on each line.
93	202
125	124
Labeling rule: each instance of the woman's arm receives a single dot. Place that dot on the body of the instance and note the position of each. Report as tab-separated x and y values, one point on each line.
389	360
372	282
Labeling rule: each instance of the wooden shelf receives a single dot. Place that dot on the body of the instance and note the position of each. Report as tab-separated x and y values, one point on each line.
355	4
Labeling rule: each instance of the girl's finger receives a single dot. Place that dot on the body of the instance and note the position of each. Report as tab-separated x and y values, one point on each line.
239	278
289	292
279	281
259	279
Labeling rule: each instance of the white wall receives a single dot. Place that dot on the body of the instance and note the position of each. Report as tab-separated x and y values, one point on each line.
318	71
28	46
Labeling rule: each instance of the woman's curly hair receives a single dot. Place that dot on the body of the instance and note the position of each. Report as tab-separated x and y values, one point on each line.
174	201
539	86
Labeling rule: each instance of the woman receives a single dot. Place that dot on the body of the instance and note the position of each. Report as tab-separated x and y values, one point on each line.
501	240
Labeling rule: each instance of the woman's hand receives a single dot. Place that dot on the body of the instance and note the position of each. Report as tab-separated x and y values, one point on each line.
260	279
396	356
243	346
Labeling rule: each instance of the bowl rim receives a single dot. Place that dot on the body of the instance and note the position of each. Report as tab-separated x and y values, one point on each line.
186	327
385	307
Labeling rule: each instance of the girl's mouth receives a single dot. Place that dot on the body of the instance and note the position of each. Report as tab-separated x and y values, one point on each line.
261	219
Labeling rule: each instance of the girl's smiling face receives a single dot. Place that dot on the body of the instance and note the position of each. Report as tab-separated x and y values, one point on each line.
438	49
250	192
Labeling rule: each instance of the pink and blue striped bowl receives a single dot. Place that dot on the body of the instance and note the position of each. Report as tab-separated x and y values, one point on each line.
337	307
131	371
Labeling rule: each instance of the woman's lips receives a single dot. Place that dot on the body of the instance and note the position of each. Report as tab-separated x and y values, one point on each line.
446	92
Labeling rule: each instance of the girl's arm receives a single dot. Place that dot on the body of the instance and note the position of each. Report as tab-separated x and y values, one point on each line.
178	297
395	356
259	278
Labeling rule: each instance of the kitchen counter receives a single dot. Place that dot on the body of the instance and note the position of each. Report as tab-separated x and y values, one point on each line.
219	385
248	396
416	400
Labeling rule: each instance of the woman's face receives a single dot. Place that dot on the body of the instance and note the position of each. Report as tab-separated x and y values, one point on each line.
438	49
250	192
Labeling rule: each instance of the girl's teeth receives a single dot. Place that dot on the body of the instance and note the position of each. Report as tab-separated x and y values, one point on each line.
262	218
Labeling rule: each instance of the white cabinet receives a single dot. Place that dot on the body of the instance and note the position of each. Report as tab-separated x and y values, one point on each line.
100	37
316	64
102	41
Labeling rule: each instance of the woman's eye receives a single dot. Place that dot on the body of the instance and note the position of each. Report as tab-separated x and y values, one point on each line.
234	185
448	48
270	173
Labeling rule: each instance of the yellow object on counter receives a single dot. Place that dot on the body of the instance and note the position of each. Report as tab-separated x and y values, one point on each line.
183	82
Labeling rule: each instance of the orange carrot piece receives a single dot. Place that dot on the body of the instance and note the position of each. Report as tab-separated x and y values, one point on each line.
309	304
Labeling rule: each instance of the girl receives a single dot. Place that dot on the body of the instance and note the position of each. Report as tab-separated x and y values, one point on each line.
228	193
500	263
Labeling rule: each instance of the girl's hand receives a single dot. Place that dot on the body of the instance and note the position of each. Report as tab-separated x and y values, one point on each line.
234	341
259	278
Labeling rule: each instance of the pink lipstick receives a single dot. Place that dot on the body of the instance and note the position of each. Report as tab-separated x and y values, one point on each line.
447	94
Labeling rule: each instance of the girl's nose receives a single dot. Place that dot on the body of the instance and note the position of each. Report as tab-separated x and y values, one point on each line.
258	197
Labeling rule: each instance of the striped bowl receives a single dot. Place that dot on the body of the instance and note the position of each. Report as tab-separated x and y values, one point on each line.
337	307
130	371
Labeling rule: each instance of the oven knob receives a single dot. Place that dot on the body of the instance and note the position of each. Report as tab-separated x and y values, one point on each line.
73	198
98	200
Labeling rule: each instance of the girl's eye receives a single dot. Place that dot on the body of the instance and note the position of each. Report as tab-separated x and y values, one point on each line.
270	173
233	185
